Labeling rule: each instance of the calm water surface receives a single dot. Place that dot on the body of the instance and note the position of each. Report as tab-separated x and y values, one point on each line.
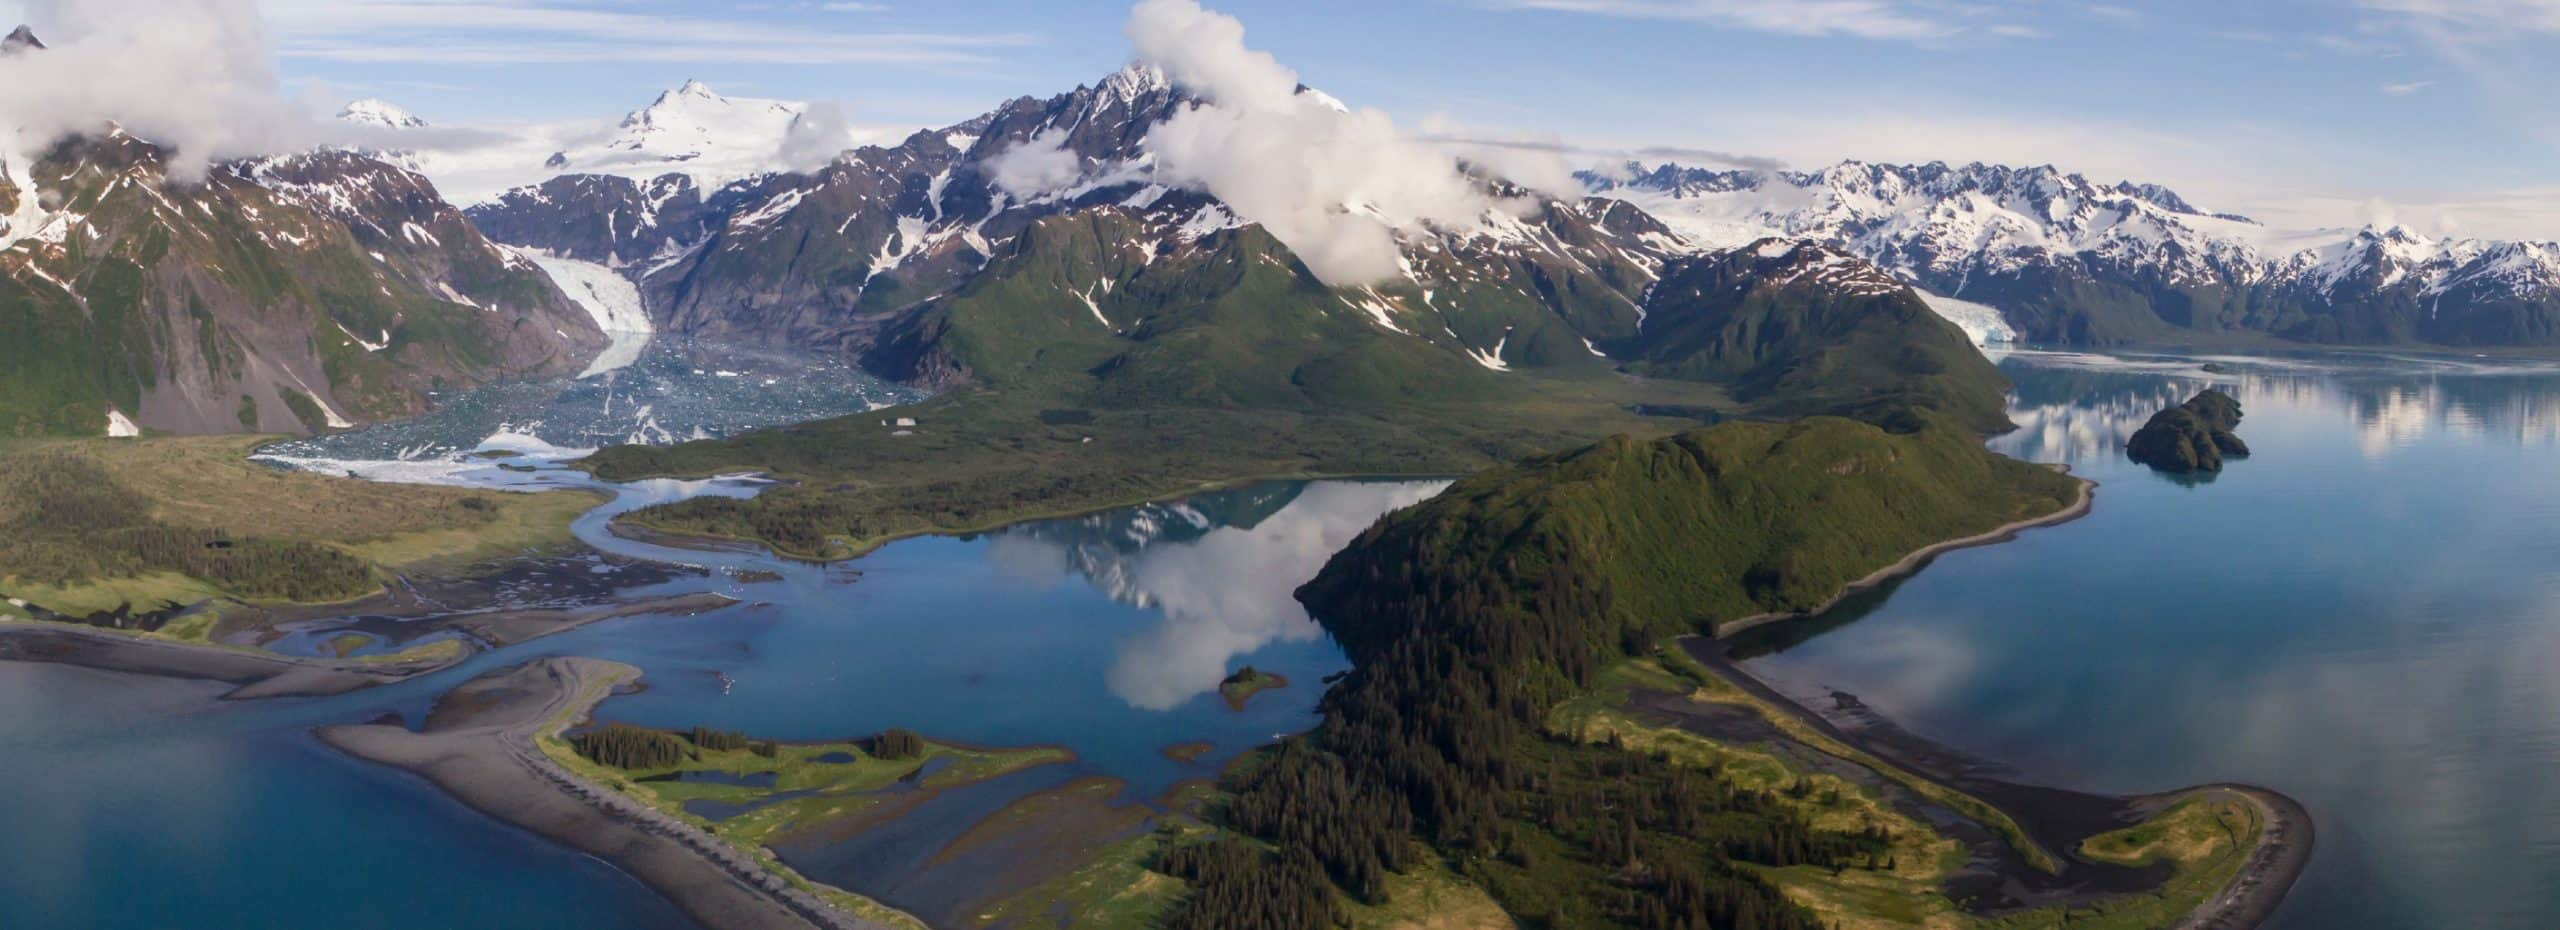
138	803
2364	615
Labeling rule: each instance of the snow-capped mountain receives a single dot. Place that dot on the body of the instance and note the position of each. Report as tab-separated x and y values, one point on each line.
2067	259
691	130
830	257
287	294
379	114
1935	220
870	253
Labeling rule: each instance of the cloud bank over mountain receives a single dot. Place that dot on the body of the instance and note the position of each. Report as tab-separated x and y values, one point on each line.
196	75
1334	183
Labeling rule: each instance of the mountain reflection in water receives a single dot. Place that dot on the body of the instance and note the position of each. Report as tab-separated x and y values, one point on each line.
2361	614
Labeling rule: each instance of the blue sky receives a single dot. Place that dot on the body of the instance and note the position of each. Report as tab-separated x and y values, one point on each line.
2298	110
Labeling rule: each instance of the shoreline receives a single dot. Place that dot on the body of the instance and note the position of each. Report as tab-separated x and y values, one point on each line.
252	675
2048	816
256	674
718	543
1919	559
2270	870
481	750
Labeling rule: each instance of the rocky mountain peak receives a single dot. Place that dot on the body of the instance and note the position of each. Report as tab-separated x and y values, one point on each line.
692	103
21	39
1133	82
381	114
1785	262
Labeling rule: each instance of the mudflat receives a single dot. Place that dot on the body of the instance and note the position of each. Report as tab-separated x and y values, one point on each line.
479	745
255	674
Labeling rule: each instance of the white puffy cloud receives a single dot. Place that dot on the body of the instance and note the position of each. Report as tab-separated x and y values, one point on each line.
1332	183
197	76
1037	166
817	138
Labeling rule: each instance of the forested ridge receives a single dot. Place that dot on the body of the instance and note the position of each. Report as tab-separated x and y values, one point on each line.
1471	616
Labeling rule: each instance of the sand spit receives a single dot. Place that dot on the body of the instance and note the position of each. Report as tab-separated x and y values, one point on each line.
479	746
2055	819
260	674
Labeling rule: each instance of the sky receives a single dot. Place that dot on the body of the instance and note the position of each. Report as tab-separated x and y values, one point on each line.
2298	112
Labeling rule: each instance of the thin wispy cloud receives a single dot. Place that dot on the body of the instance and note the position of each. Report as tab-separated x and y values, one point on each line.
1865	19
567	31
2403	90
2475	18
1476	144
2486	41
2359	45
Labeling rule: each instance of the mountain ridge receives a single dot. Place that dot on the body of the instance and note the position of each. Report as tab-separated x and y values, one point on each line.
283	295
2071	260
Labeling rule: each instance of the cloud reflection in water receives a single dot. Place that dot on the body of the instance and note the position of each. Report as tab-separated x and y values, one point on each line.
1219	573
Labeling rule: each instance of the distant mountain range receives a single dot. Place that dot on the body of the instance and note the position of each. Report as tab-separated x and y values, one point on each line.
888	251
2068	260
2034	254
930	264
689	131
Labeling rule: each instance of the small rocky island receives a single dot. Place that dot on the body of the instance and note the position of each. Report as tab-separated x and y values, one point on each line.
2192	437
1247	682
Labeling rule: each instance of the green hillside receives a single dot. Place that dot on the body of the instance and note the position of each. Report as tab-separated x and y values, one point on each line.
1077	312
1222	362
245	303
1083	369
1470	617
1797	329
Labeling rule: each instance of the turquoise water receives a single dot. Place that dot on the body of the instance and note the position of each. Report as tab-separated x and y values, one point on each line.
2364	615
135	803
